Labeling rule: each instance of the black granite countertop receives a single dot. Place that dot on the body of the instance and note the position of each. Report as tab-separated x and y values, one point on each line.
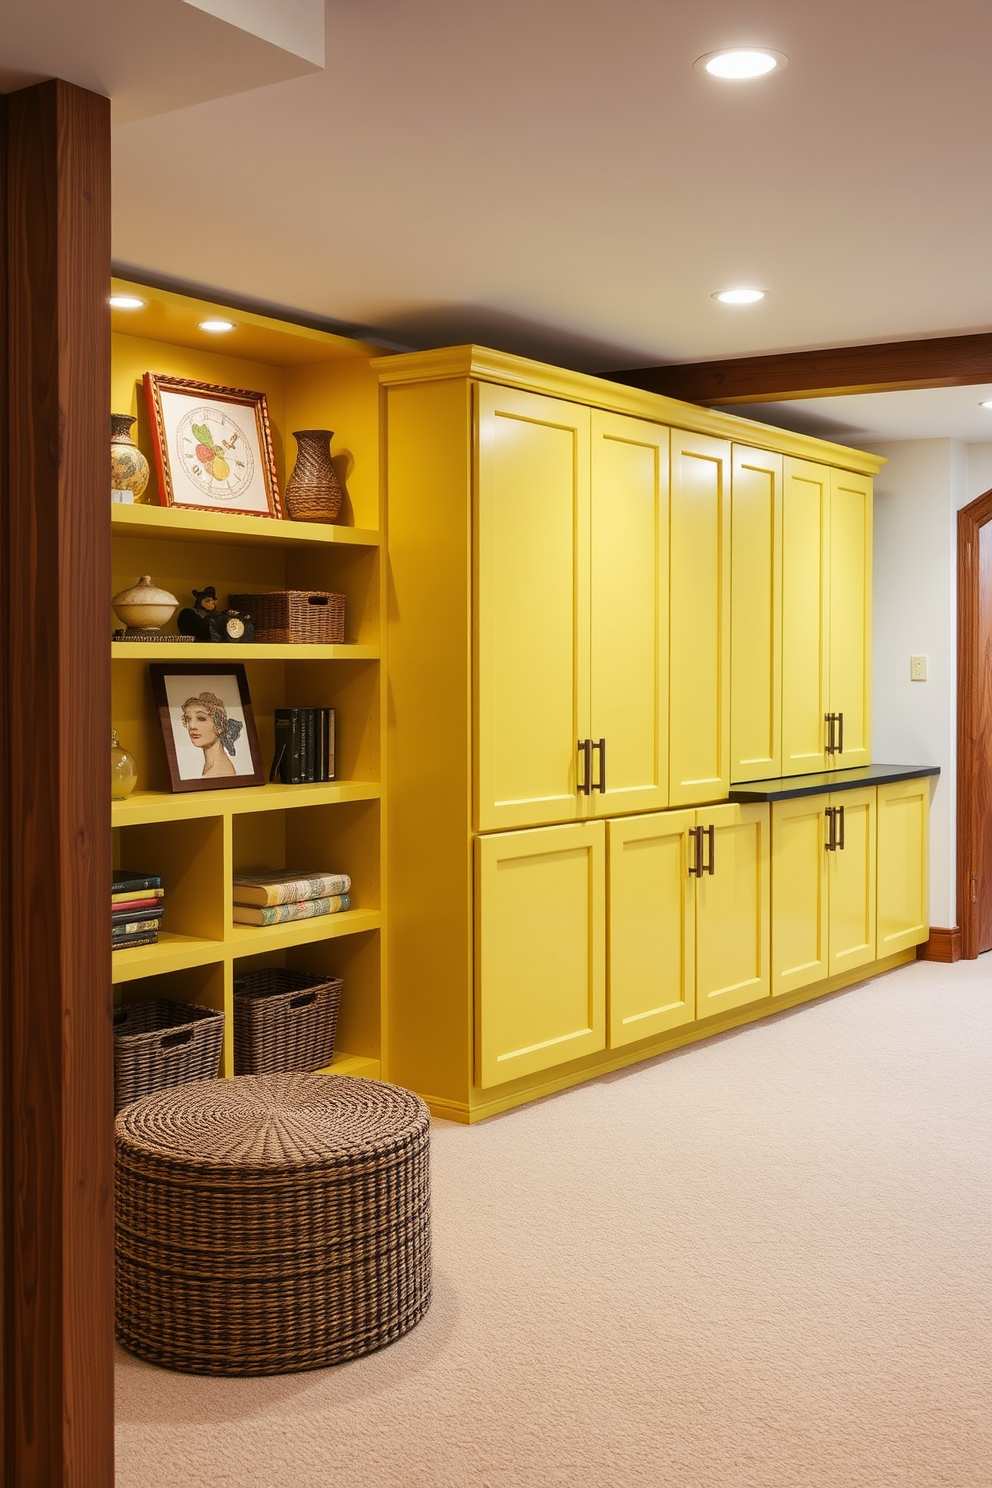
787	787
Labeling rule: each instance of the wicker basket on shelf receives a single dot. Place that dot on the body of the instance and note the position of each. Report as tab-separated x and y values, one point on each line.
158	1044
294	616
284	1020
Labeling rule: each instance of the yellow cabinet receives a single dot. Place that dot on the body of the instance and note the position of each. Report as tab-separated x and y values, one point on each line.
699	698
756	615
540	949
732	907
823	887
851	869
849	618
805	498
826	618
800	930
532	596
652	922
903	865
629	615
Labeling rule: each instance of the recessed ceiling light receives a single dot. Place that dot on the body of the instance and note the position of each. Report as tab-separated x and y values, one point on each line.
216	325
742	62
125	302
738	296
986	403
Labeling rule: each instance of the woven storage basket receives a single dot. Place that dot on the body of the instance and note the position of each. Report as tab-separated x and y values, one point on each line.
294	615
160	1044
284	1020
271	1222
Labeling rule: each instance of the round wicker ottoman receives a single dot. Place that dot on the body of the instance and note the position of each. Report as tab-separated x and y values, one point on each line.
271	1222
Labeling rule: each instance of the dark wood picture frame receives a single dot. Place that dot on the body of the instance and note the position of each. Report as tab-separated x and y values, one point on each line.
159	672
163	439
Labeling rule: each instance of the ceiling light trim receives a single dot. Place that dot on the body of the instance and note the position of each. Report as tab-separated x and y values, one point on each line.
709	63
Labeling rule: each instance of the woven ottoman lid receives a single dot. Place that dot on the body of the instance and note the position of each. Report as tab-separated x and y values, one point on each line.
266	1122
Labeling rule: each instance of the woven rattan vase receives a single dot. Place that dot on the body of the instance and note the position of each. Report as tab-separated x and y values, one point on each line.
313	493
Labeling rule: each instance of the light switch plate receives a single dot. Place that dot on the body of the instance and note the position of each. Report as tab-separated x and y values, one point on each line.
917	668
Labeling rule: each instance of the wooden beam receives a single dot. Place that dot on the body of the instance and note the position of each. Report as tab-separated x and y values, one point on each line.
943	361
56	1058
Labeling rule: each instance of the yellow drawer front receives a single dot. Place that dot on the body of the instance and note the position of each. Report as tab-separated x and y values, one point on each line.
651	926
540	949
800	949
903	866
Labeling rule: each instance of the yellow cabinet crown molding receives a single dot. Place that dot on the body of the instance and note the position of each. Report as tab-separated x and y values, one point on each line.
481	363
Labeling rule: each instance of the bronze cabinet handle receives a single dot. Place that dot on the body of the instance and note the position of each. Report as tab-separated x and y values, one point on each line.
830	747
840	743
840	839
711	836
585	784
831	843
600	745
696	861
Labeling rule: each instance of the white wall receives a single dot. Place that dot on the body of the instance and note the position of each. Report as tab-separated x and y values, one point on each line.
917	496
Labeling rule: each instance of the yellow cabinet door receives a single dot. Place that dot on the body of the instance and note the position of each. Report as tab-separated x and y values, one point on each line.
800	887
732	908
851	870
651	926
699	696
848	556
540	975
903	884
756	615
532	606
629	639
805	499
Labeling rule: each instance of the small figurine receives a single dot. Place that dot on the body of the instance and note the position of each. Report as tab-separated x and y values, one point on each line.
205	622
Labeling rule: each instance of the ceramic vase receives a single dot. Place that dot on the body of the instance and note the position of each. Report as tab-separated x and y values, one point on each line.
313	493
144	606
128	466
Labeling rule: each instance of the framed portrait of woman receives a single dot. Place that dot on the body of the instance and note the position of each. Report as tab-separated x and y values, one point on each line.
213	446
208	726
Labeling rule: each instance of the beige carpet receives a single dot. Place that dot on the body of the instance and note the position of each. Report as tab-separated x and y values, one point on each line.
762	1262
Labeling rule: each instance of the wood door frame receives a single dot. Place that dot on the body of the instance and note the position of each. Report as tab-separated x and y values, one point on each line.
56	1045
971	519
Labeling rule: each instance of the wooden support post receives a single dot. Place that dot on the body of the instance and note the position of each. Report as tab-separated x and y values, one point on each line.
56	1078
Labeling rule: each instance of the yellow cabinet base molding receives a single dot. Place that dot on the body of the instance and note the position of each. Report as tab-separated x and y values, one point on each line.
484	1103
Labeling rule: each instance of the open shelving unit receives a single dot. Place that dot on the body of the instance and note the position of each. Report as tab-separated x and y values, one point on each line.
198	840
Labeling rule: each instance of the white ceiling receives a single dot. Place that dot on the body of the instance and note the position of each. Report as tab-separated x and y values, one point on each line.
553	177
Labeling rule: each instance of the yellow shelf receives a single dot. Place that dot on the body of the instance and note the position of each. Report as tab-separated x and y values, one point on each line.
205	651
170	953
228	527
161	806
352	1064
251	940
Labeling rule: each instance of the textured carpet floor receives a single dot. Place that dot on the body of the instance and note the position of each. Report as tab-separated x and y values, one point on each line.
762	1262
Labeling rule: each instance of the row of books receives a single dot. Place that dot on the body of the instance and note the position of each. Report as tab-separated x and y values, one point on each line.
274	898
137	907
304	745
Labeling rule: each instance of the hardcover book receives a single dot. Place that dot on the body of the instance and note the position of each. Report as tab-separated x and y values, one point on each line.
136	899
288	888
128	944
278	914
127	880
132	928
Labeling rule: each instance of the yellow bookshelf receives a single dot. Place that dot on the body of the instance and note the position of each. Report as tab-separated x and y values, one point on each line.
199	840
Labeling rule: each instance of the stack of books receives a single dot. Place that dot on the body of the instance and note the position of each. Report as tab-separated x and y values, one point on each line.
273	898
136	909
304	746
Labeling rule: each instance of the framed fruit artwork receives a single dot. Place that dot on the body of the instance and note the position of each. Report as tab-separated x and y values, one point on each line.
213	446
